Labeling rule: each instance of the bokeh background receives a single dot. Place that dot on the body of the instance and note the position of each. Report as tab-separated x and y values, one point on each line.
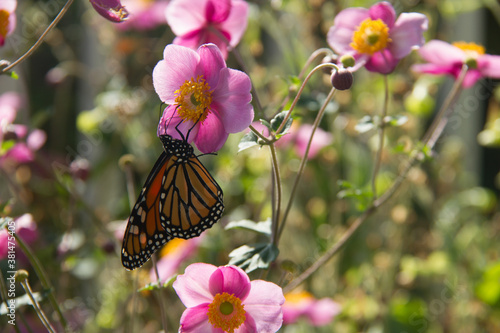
428	261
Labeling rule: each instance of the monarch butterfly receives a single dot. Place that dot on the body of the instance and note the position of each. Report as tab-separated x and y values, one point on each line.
179	199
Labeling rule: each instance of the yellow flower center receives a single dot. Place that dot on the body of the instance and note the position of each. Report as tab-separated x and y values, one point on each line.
471	49
173	246
372	36
193	99
226	312
4	22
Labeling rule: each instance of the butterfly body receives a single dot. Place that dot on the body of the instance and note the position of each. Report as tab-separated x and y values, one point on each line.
179	199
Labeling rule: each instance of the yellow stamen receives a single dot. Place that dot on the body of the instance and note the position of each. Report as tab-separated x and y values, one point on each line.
173	246
471	49
193	99
4	22
372	36
226	312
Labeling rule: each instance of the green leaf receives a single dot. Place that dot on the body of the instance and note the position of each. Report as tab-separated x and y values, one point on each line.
263	227
276	122
365	124
254	256
247	141
362	197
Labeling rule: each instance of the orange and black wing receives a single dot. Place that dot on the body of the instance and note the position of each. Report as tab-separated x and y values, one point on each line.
190	199
144	234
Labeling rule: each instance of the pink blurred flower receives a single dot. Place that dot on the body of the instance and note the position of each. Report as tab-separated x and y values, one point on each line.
448	59
320	140
205	98
144	14
197	22
19	152
303	304
25	227
111	10
374	37
223	299
173	254
7	19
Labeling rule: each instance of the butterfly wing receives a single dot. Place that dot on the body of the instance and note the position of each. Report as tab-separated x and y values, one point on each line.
191	200
144	234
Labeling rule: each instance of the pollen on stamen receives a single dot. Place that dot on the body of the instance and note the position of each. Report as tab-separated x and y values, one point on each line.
193	99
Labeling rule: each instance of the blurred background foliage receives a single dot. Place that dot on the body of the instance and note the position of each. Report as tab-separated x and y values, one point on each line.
428	261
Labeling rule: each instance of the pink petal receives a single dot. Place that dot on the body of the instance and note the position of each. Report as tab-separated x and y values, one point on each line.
321	139
217	11
169	75
232	100
236	23
194	39
408	34
211	135
471	78
27	228
19	130
383	11
20	153
346	22
232	280
442	53
323	311
489	65
195	319
192	287
263	304
110	9
36	139
173	125
382	62
434	69
211	63
186	16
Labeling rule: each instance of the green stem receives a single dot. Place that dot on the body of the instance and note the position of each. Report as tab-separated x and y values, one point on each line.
429	139
36	306
42	275
304	160
276	194
41	38
296	99
381	130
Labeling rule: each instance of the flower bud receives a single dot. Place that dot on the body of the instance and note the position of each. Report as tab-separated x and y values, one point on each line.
110	9
347	60
21	275
342	79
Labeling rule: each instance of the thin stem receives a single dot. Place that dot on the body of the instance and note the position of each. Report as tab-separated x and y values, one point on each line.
429	139
296	99
42	275
160	298
36	306
309	61
41	38
304	160
4	294
259	135
381	130
278	192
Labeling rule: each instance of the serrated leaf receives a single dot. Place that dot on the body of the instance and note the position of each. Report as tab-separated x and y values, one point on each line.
396	120
265	123
254	256
263	227
278	119
247	141
365	124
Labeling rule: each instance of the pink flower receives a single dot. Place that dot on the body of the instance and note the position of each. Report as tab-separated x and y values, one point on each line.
112	10
448	59
144	14
197	22
7	19
25	227
173	254
206	99
374	37
302	304
223	299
